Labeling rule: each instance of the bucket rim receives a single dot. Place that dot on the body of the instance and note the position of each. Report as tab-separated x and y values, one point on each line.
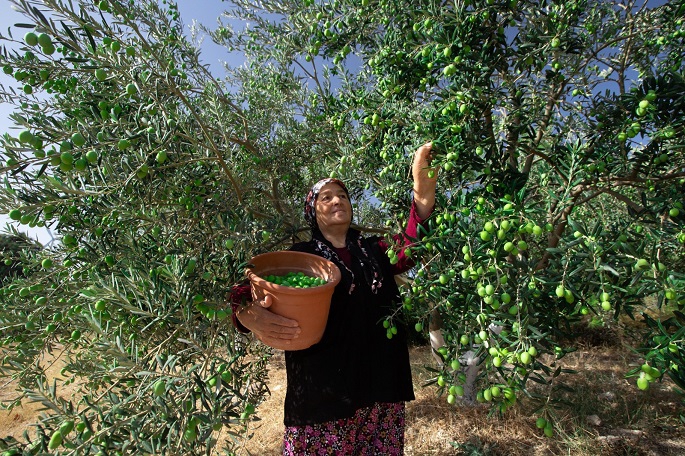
258	280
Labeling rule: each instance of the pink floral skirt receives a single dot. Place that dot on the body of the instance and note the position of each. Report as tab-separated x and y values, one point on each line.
372	431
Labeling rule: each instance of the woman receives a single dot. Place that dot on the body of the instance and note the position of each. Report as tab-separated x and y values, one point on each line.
346	394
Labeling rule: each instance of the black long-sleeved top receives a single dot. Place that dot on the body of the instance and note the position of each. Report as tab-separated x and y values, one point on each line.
355	364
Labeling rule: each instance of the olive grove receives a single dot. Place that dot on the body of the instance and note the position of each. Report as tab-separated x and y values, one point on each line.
557	128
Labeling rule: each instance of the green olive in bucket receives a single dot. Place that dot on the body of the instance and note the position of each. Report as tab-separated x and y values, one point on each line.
295	280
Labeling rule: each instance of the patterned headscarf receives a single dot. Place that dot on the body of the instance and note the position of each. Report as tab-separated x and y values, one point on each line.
310	201
355	243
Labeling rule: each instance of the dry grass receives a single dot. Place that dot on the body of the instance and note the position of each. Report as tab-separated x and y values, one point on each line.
630	422
607	415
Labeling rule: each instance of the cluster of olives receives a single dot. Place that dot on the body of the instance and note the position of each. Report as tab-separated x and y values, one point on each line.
296	280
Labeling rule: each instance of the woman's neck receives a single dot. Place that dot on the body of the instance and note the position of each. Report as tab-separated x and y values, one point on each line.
337	237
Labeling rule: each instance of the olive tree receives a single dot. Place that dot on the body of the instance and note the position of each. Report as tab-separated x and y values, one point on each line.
557	130
12	247
161	181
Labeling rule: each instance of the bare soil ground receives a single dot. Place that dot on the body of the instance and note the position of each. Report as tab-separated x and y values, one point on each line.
14	423
607	415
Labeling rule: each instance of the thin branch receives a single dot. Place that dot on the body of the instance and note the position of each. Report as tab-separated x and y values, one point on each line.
547	116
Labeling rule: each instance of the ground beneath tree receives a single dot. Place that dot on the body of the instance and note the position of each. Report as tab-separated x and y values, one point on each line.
607	415
19	419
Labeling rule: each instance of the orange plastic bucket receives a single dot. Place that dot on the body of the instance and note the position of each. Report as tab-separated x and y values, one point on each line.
308	306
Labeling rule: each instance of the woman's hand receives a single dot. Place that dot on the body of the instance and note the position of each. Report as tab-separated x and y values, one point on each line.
425	180
267	326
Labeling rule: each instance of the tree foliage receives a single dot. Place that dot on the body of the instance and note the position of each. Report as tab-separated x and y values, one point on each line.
13	246
558	131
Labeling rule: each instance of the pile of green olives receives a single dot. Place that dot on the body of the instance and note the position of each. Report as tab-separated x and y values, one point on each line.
296	280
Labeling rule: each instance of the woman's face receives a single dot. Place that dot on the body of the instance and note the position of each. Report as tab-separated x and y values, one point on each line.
333	207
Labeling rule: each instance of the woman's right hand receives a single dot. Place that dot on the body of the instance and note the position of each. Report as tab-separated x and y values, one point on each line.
270	328
425	180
